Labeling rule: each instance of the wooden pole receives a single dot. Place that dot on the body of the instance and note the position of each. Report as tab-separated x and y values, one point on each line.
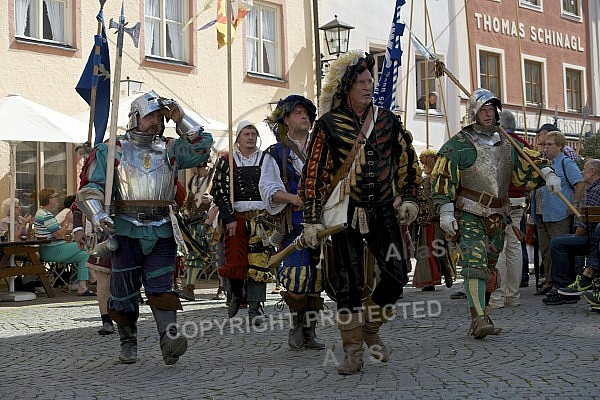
229	100
515	145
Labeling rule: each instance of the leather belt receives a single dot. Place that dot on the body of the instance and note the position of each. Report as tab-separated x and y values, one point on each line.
484	198
150	210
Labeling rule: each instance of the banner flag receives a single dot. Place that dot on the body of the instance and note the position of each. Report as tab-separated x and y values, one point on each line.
385	92
239	9
101	81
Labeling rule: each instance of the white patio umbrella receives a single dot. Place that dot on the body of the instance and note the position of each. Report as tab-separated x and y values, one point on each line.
22	120
209	124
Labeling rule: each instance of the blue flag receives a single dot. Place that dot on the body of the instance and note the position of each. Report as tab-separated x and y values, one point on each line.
101	81
385	92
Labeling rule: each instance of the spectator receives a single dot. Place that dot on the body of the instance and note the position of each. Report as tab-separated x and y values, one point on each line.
47	227
566	247
554	219
541	136
21	222
422	104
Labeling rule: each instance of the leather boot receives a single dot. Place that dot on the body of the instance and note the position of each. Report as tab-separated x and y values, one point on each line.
487	316
297	305
188	292
254	314
108	327
375	316
128	338
480	325
314	305
234	306
350	326
172	344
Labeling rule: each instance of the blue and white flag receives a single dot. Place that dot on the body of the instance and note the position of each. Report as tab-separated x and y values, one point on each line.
385	92
101	81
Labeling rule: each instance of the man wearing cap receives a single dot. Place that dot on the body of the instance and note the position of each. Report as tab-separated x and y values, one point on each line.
245	241
141	215
281	170
510	260
470	190
382	178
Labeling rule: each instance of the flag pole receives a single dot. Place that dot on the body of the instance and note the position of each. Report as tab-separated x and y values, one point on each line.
114	112
95	73
228	12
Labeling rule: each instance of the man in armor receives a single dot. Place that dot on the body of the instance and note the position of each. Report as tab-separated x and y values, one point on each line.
383	179
281	170
141	216
470	190
245	240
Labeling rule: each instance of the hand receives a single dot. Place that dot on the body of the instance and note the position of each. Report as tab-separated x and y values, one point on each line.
296	201
79	238
172	110
107	225
310	234
447	221
206	198
553	182
230	228
407	212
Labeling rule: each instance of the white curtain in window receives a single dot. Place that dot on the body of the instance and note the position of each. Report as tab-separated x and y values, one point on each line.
173	13
150	25
56	17
268	35
21	7
251	43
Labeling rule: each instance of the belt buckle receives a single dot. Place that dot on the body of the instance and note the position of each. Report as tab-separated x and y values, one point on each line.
141	216
490	198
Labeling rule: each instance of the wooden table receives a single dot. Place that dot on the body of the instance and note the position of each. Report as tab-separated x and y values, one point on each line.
29	249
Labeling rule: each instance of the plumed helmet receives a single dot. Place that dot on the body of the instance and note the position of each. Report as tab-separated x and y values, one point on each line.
142	106
285	107
342	73
478	99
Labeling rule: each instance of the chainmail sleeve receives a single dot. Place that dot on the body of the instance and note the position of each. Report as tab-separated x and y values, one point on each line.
220	190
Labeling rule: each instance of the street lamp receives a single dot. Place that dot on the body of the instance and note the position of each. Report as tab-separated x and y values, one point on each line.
133	86
337	36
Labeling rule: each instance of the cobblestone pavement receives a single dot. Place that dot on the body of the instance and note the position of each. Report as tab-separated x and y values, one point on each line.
49	349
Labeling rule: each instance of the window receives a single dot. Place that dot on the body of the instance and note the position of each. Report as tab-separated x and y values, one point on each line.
571	7
426	85
531	4
53	169
263	44
573	89
489	72
533	82
163	22
43	20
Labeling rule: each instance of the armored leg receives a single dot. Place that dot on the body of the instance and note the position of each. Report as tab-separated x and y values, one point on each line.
127	328
164	308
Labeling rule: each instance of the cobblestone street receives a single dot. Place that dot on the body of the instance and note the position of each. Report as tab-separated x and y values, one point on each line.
50	349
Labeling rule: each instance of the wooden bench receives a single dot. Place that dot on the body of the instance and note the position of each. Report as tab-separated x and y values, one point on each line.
28	251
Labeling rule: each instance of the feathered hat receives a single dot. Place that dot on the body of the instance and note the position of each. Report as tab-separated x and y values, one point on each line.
342	72
285	107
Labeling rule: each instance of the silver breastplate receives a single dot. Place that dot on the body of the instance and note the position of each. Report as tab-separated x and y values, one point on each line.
144	173
491	171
